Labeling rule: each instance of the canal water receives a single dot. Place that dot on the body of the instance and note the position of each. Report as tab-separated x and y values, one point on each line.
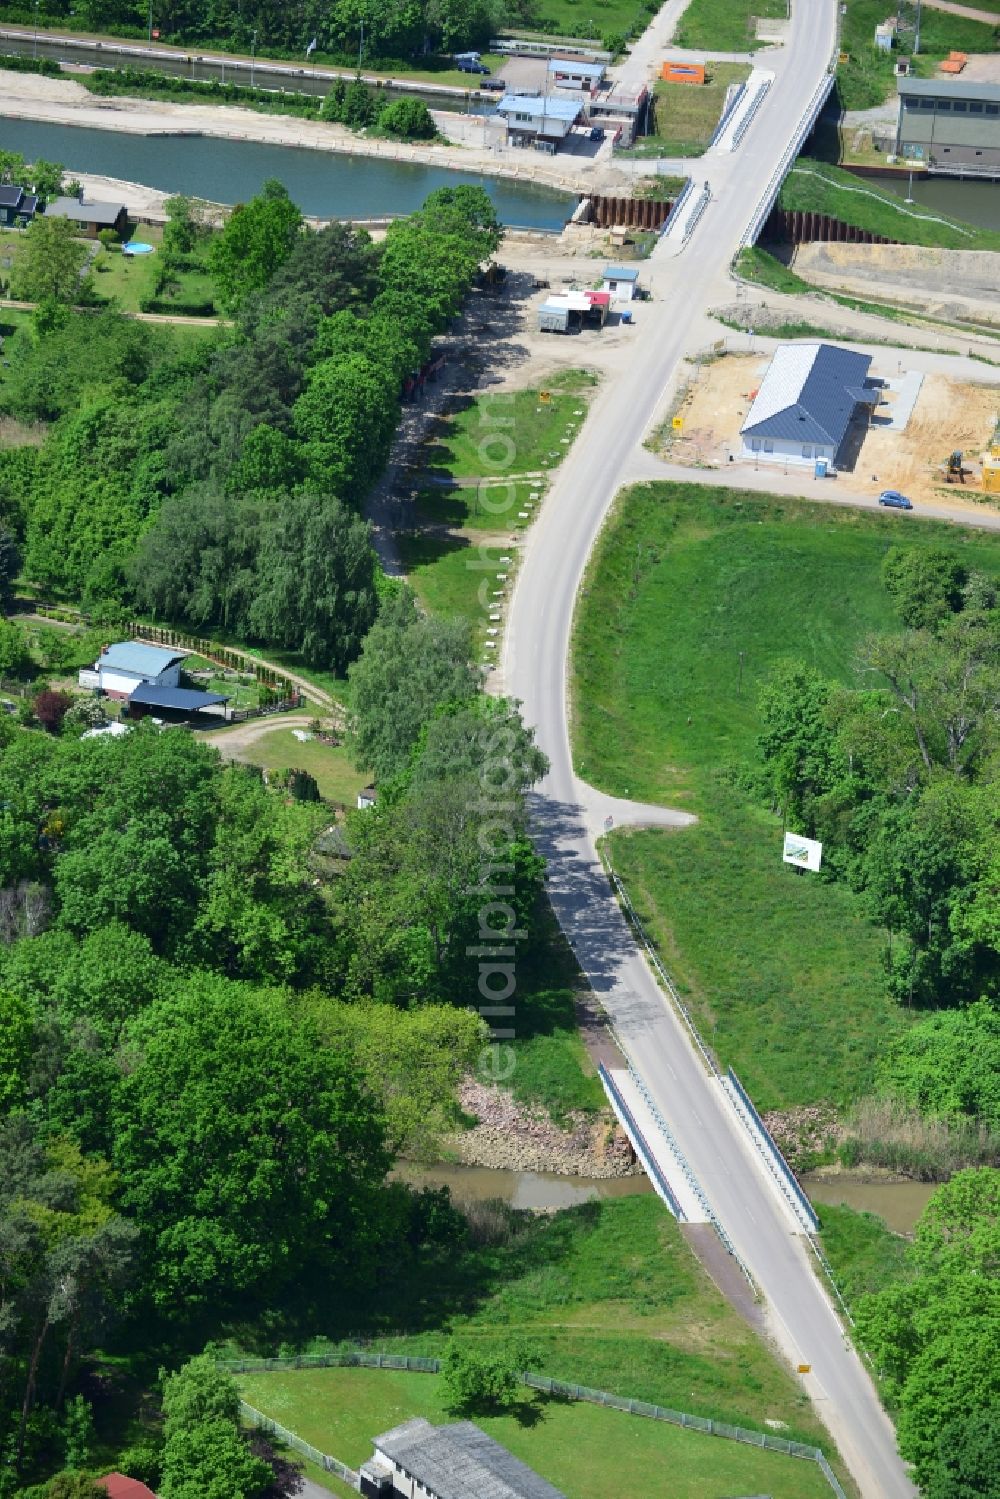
325	184
973	202
899	1204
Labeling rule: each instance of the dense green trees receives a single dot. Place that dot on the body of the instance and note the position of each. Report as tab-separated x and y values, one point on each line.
935	1337
219	484
48	263
257	238
896	776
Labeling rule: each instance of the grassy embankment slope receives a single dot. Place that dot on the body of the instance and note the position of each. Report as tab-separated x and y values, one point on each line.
822	188
608	1295
685	114
692	597
868	79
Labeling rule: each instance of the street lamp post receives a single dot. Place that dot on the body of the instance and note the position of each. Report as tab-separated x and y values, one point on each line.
253	56
34	45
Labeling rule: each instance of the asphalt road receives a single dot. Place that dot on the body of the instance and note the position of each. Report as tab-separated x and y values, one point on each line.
569	814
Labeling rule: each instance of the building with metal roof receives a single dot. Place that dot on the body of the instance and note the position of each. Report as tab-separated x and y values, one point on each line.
805	405
539	120
150	697
621	281
950	126
575	72
457	1461
121	668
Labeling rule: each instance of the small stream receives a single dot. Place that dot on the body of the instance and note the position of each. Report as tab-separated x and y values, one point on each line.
899	1204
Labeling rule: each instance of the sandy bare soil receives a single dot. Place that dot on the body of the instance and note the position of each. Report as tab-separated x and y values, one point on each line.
948	284
948	414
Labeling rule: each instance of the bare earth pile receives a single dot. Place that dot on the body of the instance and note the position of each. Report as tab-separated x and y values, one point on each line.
510	1136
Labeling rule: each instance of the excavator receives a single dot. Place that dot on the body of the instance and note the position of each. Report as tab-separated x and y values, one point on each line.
954	472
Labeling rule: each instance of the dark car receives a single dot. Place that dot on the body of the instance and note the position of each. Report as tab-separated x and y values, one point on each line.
493	83
895	500
597	134
466	65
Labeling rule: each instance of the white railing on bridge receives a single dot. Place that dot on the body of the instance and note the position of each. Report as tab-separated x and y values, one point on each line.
795	144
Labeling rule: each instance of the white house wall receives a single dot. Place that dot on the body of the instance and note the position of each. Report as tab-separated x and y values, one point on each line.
768	450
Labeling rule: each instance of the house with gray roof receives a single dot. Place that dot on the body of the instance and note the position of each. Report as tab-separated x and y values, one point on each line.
90	217
458	1461
805	405
952	125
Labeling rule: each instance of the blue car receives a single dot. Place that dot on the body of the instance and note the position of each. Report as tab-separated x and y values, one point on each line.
895	500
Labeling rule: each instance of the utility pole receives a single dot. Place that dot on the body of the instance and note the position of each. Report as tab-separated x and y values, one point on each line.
253	56
150	21
34	45
361	43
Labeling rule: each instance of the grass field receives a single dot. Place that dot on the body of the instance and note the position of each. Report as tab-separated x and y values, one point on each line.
494	435
331	766
686	114
589	1453
725	25
692	598
817	186
590	20
507	432
129	280
867	78
607	1294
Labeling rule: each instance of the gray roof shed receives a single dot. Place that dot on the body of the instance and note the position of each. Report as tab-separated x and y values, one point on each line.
460	1461
85	212
809	394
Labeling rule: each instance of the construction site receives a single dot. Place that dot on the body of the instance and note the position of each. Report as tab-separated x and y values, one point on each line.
927	433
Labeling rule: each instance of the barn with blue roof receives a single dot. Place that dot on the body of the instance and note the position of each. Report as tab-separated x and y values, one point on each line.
806	403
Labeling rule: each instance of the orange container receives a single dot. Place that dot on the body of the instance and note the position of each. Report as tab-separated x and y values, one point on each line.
682	72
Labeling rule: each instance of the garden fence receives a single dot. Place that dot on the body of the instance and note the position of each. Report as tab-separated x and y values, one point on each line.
357	1357
322	1460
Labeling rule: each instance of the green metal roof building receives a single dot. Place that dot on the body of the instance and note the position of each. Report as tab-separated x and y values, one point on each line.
950	126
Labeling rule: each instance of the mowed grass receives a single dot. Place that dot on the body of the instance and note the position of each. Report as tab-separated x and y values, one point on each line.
502	433
130	279
686	114
607	1294
590	20
817	186
481	506
330	765
587	1452
441	569
692	598
725	25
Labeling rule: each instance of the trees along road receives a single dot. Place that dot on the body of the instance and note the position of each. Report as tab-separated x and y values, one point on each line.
569	815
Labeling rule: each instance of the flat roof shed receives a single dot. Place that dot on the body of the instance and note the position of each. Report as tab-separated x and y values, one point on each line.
184	700
460	1461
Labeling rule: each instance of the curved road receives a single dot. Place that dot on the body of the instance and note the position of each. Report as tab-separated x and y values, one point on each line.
569	814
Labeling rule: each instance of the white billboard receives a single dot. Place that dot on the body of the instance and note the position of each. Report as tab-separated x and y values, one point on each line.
804	853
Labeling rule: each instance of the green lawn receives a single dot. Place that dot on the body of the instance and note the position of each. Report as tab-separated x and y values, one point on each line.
439	568
864	1254
692	597
686	114
589	20
332	766
129	280
481	506
817	186
756	265
589	1453
725	25
509	432
607	1294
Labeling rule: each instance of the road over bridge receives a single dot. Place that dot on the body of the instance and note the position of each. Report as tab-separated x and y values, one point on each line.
684	281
